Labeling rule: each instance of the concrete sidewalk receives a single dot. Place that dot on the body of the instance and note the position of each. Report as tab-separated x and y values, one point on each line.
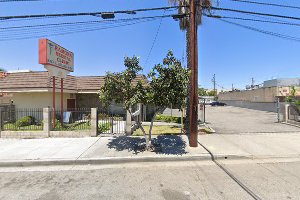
105	150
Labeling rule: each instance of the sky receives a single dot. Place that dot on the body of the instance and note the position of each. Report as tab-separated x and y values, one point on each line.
233	53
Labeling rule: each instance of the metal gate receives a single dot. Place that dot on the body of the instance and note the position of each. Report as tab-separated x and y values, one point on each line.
111	121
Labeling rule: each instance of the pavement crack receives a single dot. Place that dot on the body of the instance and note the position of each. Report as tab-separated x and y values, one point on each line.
243	186
72	167
87	149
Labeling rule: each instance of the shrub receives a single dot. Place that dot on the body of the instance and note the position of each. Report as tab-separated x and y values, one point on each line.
57	124
103	127
25	121
103	116
168	119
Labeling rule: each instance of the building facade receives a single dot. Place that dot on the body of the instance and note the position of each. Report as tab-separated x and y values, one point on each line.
34	90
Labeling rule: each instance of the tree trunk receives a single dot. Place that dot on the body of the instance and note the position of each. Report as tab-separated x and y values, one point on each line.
142	128
151	125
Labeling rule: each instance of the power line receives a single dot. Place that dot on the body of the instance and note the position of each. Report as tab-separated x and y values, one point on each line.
266	4
256	13
96	14
155	38
255	20
72	31
64	24
75	27
279	35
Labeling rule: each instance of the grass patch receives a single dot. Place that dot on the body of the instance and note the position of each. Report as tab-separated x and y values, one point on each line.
207	130
77	126
159	130
14	127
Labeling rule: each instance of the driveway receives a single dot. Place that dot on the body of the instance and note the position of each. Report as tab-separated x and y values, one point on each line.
233	120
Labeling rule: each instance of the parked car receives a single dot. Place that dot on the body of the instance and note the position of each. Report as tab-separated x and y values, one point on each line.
217	103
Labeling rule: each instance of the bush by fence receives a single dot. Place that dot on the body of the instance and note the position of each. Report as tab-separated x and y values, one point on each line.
73	120
22	119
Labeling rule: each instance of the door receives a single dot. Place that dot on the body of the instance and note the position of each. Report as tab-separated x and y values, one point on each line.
71	104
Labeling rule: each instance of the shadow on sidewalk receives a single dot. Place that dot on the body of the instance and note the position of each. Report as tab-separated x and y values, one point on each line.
163	144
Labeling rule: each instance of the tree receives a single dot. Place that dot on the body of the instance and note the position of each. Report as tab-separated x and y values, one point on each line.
202	92
212	93
166	85
2	70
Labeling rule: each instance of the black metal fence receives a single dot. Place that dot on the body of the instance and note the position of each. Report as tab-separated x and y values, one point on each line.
77	119
294	113
21	119
111	122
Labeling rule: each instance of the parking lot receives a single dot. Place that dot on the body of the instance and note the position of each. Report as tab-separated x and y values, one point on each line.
237	120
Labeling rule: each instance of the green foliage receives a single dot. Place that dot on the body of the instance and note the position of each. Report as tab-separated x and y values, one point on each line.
166	118
293	91
292	97
25	121
13	127
212	93
102	116
289	99
160	130
202	92
103	127
118	86
169	83
76	126
2	70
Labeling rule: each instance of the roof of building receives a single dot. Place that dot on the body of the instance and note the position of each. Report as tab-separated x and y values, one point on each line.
41	80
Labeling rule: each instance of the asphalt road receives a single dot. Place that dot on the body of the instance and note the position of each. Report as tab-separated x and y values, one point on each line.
230	119
168	181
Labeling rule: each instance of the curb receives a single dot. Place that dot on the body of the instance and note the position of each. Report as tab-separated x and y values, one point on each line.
115	160
125	160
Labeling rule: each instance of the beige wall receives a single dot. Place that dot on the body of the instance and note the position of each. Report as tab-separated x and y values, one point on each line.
38	100
256	95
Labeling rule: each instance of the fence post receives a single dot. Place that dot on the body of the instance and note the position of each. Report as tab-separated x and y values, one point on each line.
128	123
286	112
278	109
94	122
46	121
1	120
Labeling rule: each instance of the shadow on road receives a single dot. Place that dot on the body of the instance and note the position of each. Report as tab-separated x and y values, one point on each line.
162	144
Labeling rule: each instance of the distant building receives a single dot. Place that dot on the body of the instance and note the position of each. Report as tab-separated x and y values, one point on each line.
262	98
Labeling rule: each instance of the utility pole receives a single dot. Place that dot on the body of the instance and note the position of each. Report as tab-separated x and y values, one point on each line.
193	140
214	82
252	83
232	88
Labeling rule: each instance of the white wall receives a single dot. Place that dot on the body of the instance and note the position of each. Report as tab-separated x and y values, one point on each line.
38	100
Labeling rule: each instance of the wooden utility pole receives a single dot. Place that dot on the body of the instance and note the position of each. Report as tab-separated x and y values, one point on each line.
62	101
53	103
215	92
194	74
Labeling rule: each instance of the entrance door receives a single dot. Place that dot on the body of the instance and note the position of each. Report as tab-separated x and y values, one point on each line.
71	104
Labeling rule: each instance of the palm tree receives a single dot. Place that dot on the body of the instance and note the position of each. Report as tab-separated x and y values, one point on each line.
184	24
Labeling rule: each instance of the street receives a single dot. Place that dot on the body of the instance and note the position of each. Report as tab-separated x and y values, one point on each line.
274	179
231	120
